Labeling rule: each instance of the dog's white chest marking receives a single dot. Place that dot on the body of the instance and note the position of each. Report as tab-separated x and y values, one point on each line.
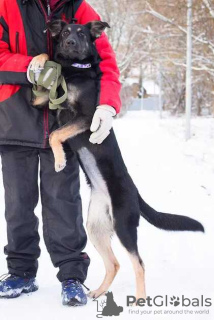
98	184
73	94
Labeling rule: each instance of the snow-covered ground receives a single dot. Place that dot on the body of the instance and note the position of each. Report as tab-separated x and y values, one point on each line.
172	175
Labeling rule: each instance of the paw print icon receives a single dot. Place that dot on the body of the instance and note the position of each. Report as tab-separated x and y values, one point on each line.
175	301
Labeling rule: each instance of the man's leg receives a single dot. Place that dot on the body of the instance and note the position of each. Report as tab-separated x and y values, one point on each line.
20	175
63	229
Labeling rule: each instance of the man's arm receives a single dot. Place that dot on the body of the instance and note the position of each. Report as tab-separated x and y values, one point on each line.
13	66
109	83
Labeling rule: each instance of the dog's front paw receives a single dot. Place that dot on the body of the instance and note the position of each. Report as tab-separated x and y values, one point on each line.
96	293
59	166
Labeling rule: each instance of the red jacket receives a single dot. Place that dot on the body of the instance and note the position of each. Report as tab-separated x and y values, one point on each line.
22	23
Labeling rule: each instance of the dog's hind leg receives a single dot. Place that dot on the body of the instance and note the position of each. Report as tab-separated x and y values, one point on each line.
139	274
100	230
128	239
100	219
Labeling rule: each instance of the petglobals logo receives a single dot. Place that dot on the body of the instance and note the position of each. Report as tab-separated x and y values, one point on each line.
169	301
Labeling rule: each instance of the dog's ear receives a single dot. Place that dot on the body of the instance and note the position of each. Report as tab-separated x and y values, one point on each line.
96	28
56	27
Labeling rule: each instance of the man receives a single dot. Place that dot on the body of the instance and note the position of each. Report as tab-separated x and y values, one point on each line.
24	134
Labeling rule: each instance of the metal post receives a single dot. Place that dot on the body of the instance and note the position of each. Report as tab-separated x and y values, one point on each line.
160	91
189	70
142	89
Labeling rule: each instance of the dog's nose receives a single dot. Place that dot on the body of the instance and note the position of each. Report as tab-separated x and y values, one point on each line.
71	42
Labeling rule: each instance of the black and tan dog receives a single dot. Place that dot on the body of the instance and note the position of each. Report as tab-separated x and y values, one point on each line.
115	205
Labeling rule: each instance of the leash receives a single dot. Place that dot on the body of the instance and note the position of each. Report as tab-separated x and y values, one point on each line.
51	78
53	81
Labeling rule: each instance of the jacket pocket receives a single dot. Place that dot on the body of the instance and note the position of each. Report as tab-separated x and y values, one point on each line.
17	42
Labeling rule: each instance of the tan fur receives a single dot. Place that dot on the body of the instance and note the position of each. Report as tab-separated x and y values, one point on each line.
111	265
41	100
139	276
57	138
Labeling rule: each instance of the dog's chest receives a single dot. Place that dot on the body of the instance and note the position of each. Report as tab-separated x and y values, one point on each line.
73	93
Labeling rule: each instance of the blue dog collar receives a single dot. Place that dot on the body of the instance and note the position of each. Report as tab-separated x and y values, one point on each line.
81	66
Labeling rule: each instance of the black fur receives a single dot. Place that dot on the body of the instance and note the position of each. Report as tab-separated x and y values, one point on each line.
73	45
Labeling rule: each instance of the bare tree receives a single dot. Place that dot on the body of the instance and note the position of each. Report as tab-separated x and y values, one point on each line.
150	33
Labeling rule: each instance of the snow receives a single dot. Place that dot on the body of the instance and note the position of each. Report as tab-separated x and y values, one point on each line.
151	87
172	175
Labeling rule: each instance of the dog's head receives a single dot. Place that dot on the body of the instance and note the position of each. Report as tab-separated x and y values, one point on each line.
75	41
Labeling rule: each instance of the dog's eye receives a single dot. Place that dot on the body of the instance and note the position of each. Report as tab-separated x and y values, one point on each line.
65	33
81	34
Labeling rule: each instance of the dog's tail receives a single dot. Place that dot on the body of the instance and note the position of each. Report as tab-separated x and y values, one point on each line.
168	221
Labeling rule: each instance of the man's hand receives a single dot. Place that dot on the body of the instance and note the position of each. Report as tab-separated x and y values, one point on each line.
37	65
101	123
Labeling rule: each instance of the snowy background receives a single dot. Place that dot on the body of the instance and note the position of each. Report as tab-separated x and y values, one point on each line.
172	175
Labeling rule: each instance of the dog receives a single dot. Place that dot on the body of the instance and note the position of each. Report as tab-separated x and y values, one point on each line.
115	203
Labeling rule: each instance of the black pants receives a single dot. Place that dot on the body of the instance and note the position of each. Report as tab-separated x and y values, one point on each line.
63	230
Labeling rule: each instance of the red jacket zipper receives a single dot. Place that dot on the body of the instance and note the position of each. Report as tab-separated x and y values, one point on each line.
50	52
45	117
50	16
17	42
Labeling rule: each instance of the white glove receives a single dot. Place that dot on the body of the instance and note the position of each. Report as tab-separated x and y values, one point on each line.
101	123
